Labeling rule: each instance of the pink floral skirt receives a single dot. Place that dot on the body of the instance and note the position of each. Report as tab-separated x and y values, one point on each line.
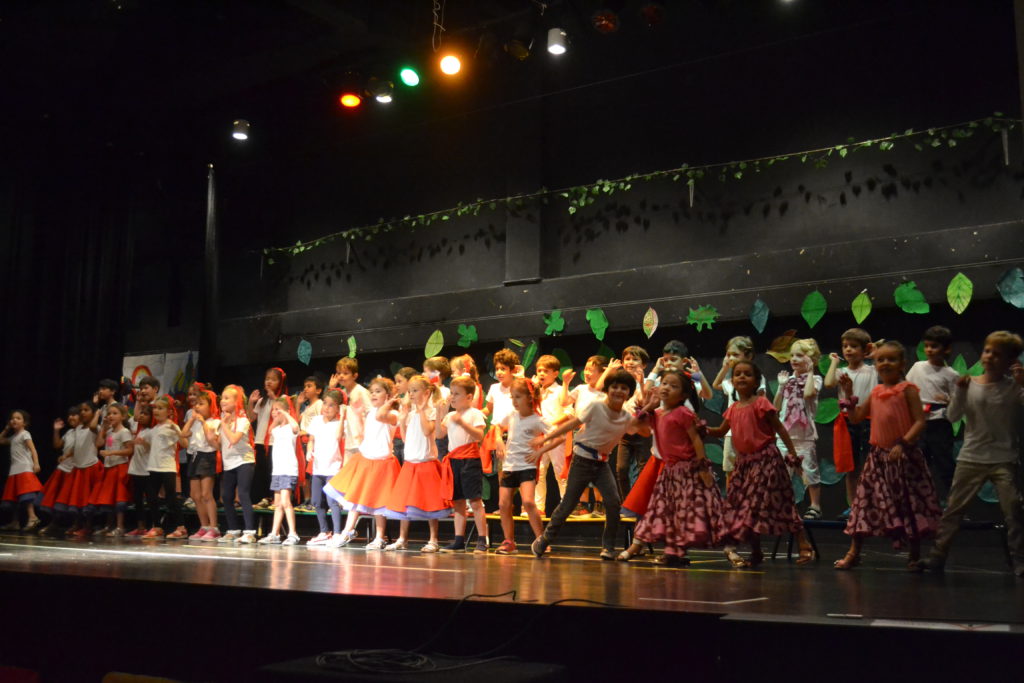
683	511
760	499
895	499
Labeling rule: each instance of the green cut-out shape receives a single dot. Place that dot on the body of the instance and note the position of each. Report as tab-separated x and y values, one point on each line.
563	357
825	362
598	322
799	490
976	370
827	471
702	316
716	404
813	308
959	364
861	307
351	341
434	344
516	342
988	493
554	321
467	335
921	355
759	315
530	354
773	386
1011	287
910	299
828	411
959	292
650	323
606	351
395	367
486	492
714	453
304	352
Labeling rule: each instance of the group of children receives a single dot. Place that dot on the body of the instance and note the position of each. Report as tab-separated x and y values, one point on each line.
417	448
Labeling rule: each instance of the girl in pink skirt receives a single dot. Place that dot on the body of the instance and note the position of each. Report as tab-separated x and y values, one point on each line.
685	509
895	496
760	498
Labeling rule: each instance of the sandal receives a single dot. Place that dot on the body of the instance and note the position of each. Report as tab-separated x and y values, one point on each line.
813	513
849	561
430	547
807	555
628	554
735	559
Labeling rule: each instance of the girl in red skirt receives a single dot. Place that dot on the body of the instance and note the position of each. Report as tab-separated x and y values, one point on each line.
66	444
895	496
114	492
23	485
364	483
760	498
87	473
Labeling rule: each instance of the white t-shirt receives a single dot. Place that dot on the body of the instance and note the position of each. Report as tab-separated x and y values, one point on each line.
308	413
457	436
934	383
241	452
21	456
551	403
603	430
864	380
197	441
358	407
993	413
284	461
418	446
116	441
500	399
583	396
520	431
262	419
378	437
85	447
162	440
68	449
327	457
139	464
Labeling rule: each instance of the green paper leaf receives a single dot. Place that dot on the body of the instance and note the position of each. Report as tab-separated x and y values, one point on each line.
959	364
799	490
987	492
773	387
814	307
714	453
530	354
861	307
467	335
910	299
828	411
434	344
702	316
516	342
759	315
598	322
825	362
606	351
921	355
485	492
959	292
716	404
563	357
650	323
554	321
827	470
304	352
976	370
351	346
1011	287
957	426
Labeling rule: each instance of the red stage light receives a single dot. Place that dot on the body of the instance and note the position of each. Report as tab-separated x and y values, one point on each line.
605	21
350	100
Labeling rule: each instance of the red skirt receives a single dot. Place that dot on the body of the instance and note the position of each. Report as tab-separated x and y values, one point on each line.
895	499
364	485
760	499
77	487
684	511
639	497
20	487
417	492
52	487
114	489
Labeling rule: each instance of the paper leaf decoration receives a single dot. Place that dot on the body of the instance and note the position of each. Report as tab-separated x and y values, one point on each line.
702	316
861	307
828	411
910	299
716	404
959	364
434	344
759	315
563	357
827	471
598	322
351	346
530	354
713	452
395	367
773	387
813	308
516	342
485	491
780	346
959	292
976	370
921	355
825	362
799	490
957	426
650	322
606	351
987	492
304	352
1011	287
554	321
467	335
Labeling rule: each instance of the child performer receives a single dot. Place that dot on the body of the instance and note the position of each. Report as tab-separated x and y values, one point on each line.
895	495
797	403
857	346
138	469
326	444
417	491
520	467
114	491
162	461
309	407
66	444
553	413
991	405
737	349
462	474
936	382
364	483
358	398
74	494
438	370
634	447
605	423
402	378
498	403
238	454
257	410
284	473
465	366
22	487
579	398
686	508
203	462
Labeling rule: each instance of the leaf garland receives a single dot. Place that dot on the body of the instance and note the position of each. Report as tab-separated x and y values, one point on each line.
959	292
759	315
861	307
702	316
813	308
910	299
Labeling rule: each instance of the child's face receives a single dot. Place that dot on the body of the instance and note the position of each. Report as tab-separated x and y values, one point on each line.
800	361
277	413
310	391
147	393
888	364
995	359
460	398
631	362
144	417
416	392
85	413
105	394
503	373
853	352
671	390
160	411
592	372
202	406
330	409
17	422
193	394
547	376
671	360
617	395
744	380
522	402
346	377
401	385
115	418
73	420
272	384
733	354
228	401
378	395
935	352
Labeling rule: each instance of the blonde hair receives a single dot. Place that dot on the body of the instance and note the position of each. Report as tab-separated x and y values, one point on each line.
435	391
745	345
809	348
1008	341
465	364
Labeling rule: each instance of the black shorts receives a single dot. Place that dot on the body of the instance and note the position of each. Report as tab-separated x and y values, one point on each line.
512	480
202	465
468	475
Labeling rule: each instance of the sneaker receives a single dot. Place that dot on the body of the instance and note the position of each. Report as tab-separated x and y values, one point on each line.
598	511
398	545
135	533
270	539
84	533
607	555
199	535
293	539
189	504
230	536
248	536
116	533
539	547
180	532
481	547
102	531
813	513
507	547
453	547
31	526
580	511
155	532
212	534
320	539
376	544
430	547
342	539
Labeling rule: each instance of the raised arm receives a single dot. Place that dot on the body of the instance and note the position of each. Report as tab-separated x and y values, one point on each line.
830	376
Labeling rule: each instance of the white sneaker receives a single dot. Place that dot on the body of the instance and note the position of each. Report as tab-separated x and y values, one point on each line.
270	539
292	539
376	544
320	539
248	536
342	539
397	545
230	536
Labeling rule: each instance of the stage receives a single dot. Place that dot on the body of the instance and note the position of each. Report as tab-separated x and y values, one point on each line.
276	603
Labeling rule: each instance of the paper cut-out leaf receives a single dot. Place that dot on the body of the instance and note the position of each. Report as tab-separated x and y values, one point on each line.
467	335
1011	287
773	387
351	346
554	321
959	364
516	342
563	357
606	351
714	453
598	322
434	344
799	490
987	492
530	354
825	362
959	292
650	322
813	308
828	411
304	352
780	347
716	404
759	315
957	426
976	370
910	299
921	355
485	493
861	307
702	316
827	470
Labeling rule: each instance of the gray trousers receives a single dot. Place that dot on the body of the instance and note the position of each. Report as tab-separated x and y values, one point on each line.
585	471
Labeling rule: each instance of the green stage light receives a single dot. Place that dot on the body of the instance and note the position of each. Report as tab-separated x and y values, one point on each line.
409	76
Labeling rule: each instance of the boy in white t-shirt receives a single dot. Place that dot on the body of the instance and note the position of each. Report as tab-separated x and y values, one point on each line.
581	396
936	382
464	427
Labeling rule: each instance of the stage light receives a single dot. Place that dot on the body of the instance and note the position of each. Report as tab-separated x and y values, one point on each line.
521	42
652	13
409	76
605	21
450	65
240	129
350	100
558	41
380	89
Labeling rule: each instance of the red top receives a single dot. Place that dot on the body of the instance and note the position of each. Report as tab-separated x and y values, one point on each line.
670	428
890	414
749	426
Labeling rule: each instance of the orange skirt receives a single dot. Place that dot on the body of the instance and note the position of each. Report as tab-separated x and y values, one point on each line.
114	489
417	493
77	487
639	496
52	487
21	487
364	485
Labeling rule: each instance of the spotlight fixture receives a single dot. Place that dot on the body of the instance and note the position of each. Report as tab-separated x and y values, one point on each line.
605	20
558	41
521	42
380	89
409	76
240	129
450	65
350	100
652	13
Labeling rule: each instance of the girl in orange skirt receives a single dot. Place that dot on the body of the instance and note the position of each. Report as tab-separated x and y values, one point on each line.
417	491
23	485
364	483
87	473
66	444
114	491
